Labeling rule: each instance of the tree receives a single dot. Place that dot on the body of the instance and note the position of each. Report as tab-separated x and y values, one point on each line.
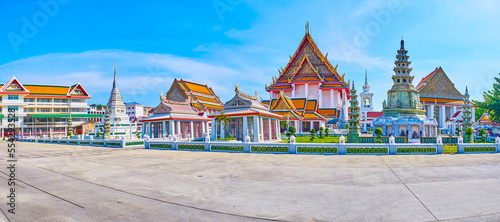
284	124
321	132
491	101
222	120
313	133
99	106
468	134
326	131
379	132
138	134
482	133
291	131
98	134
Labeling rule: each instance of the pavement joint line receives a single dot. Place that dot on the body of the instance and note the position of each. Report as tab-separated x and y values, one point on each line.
5	215
480	215
47	192
159	200
8	180
409	189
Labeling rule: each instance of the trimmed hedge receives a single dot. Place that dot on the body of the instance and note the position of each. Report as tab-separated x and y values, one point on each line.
317	150
227	148
136	143
190	147
160	146
484	149
98	143
418	150
113	144
84	143
269	149
367	150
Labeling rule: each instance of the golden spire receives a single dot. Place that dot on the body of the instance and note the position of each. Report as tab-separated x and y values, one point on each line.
307	27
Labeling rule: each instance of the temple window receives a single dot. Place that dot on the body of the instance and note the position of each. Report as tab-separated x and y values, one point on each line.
398	81
404	80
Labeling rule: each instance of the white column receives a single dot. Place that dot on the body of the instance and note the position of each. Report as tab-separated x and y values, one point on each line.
432	111
245	127
214	130
255	129
149	130
164	128
203	125
293	90
179	127
306	91
278	133
332	104
442	116
320	99
191	130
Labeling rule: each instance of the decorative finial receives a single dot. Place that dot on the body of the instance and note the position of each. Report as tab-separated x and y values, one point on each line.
402	43
366	77
307	27
114	80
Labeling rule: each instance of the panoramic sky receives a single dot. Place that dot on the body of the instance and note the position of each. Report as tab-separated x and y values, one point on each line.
221	42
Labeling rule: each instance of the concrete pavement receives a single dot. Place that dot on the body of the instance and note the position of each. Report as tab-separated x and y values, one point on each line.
78	183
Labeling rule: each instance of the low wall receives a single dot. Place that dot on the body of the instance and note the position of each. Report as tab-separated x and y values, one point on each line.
88	142
319	148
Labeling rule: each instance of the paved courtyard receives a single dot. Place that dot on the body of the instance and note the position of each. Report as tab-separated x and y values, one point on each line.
78	183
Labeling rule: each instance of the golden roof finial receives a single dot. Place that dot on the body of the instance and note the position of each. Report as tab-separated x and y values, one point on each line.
307	27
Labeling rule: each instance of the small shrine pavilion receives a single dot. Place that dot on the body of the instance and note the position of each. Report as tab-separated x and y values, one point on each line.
175	118
248	117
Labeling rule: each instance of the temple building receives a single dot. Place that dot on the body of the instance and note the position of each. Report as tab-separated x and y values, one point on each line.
299	112
436	89
44	109
366	112
249	117
202	97
172	118
403	114
309	76
119	120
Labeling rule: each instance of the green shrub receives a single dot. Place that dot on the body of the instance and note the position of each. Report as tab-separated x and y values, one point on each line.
313	134
321	132
326	131
291	131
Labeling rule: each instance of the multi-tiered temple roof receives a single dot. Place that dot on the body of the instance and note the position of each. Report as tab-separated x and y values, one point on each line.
308	64
203	98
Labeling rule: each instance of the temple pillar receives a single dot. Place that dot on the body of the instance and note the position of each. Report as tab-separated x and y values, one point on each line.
384	130
255	129
149	130
179	127
332	104
191	131
320	99
245	127
306	91
203	132
293	91
431	111
214	130
164	128
278	131
442	116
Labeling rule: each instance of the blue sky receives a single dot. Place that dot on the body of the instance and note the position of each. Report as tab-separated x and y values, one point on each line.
222	42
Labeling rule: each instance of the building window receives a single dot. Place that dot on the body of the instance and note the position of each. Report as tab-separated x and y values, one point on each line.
13	97
29	100
13	107
43	100
57	110
45	110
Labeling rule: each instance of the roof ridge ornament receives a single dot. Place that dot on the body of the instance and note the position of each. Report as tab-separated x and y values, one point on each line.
307	27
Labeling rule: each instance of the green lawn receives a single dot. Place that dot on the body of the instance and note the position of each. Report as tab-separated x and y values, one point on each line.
316	140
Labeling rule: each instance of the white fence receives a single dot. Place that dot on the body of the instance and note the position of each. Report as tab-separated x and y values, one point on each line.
319	148
88	142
